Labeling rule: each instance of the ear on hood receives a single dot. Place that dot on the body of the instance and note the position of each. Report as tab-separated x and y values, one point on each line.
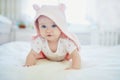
62	7
36	7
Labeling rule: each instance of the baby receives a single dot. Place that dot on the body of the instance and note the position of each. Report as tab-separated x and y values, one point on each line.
53	41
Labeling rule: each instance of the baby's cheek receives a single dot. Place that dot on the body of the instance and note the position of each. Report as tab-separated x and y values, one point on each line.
57	33
42	34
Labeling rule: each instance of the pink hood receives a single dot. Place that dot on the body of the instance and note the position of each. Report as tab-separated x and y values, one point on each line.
55	13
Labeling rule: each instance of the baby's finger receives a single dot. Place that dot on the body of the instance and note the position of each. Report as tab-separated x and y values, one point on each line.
26	65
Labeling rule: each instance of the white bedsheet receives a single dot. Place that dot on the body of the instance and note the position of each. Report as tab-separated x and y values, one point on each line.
98	63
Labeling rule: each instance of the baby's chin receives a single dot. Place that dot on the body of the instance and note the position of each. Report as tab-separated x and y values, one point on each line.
52	38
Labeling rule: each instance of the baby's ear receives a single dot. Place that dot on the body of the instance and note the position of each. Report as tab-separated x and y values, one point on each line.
62	6
36	7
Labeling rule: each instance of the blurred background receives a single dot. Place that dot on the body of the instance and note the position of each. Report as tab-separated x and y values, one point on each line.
96	22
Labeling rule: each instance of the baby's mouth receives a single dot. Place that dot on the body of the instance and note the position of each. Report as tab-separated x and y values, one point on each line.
49	35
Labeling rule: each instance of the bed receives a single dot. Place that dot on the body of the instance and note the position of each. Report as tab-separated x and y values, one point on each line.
6	29
98	63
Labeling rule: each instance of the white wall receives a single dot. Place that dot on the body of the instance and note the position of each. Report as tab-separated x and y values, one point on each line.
106	13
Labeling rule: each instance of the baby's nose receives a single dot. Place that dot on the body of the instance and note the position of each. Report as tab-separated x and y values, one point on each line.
49	30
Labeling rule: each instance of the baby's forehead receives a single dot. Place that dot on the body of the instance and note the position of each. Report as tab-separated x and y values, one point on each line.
44	19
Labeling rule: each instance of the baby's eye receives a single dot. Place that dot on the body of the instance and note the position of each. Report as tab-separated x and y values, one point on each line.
54	25
43	26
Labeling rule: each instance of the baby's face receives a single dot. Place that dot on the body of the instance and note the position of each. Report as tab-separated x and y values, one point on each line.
48	29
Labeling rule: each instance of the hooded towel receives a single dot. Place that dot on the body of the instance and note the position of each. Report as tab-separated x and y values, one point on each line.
55	13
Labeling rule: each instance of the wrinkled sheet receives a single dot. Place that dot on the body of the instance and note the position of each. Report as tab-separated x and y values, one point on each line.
98	63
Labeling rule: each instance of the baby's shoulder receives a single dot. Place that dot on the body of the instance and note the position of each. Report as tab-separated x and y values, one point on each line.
66	40
37	39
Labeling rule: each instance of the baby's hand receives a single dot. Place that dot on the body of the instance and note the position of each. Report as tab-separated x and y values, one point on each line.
28	65
30	62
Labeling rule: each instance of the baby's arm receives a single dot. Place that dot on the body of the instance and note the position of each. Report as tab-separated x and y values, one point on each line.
30	59
76	61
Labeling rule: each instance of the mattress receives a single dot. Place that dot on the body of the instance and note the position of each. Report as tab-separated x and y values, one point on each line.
97	63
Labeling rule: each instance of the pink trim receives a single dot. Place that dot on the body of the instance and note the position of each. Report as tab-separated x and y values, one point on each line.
41	56
34	37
